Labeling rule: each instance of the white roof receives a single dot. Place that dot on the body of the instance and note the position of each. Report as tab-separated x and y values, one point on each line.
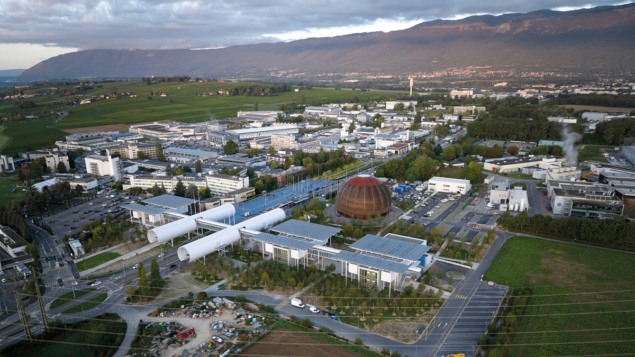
256	130
449	180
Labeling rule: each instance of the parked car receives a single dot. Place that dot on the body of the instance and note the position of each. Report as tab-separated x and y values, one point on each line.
161	255
90	283
217	339
97	283
75	283
314	309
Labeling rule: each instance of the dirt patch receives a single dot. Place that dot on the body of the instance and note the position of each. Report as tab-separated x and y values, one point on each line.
455	275
400	331
180	282
598	109
122	128
283	342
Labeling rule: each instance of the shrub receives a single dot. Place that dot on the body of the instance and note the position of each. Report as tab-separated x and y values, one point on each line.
384	351
292	318
306	323
241	298
359	342
202	296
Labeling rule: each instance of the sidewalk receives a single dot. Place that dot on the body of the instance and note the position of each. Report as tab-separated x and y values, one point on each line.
123	257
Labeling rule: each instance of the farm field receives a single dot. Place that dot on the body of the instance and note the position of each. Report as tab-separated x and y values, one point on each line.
183	104
30	136
582	299
288	342
578	107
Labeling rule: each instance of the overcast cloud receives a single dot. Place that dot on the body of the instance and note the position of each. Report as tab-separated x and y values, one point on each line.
66	26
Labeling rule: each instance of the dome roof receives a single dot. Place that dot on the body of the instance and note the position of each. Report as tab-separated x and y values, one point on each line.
363	197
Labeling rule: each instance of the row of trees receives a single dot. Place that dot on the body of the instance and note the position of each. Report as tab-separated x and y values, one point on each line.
602	100
12	218
52	196
616	132
500	334
616	232
320	162
514	128
258	90
271	274
148	286
177	79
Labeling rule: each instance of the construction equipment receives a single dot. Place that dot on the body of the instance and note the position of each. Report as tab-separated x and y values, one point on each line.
586	176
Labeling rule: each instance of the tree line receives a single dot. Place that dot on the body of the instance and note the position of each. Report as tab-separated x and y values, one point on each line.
601	100
320	162
617	232
258	90
150	80
615	132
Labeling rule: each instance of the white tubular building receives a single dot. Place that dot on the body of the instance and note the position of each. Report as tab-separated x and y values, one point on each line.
209	244
188	224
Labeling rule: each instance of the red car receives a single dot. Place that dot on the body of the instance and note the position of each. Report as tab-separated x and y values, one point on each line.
82	217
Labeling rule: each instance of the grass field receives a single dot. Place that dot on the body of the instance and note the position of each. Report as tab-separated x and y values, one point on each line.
186	106
87	305
6	186
590	152
577	296
96	260
30	136
69	296
4	139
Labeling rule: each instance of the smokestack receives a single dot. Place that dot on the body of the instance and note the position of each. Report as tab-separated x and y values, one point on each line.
570	149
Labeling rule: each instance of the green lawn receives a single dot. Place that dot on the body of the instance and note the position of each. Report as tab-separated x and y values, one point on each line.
6	186
30	136
591	153
96	260
4	139
87	305
577	296
521	184
69	296
519	176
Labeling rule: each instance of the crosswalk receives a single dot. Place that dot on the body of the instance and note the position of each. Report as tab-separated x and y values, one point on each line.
281	305
55	283
56	268
460	296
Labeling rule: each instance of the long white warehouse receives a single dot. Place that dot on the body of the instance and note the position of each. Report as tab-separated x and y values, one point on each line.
209	244
445	184
183	226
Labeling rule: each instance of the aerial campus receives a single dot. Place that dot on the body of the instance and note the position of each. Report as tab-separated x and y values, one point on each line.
284	211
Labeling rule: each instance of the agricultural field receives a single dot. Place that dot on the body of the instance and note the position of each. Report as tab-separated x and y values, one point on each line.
183	104
581	298
30	136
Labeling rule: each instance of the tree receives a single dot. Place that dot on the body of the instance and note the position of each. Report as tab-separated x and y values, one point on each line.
130	291
448	153
440	274
256	106
358	340
159	151
168	170
230	148
512	150
179	189
141	155
61	168
79	189
450	280
156	281
191	191
272	149
144	285
198	167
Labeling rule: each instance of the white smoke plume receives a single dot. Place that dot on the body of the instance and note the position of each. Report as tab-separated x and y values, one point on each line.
570	148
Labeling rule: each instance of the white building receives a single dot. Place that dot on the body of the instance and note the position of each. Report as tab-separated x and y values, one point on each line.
53	158
6	164
444	184
100	165
461	93
320	111
390	105
563	120
592	116
247	134
220	184
472	108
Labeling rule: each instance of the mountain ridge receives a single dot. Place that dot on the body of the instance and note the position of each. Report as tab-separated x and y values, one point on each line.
537	41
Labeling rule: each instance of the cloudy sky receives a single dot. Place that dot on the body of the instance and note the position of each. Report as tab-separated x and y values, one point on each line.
34	30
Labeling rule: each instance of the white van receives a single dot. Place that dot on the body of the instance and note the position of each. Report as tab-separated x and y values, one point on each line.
297	303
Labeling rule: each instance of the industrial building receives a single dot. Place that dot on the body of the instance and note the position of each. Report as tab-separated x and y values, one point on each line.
248	134
517	164
508	199
188	155
374	262
6	164
445	184
52	157
583	199
100	165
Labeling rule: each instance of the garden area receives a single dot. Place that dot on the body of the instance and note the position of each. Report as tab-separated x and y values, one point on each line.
577	300
375	310
276	277
99	336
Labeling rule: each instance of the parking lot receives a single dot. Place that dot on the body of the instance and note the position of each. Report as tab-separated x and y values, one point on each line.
471	322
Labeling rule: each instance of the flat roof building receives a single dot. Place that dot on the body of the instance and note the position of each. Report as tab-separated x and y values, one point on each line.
248	134
445	184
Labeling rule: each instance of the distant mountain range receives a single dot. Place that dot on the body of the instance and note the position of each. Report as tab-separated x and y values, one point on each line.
10	72
598	40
